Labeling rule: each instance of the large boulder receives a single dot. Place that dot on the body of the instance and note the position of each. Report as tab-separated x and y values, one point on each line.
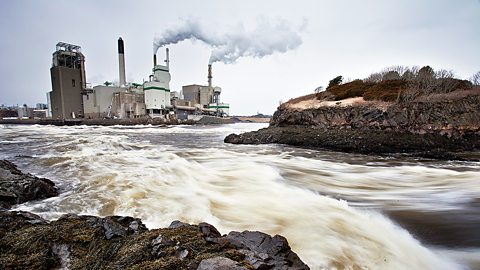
17	187
263	251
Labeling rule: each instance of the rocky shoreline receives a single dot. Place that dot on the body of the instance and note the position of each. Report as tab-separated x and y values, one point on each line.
89	242
442	129
28	241
365	142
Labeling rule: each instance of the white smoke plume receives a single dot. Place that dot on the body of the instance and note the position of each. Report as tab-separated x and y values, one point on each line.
265	39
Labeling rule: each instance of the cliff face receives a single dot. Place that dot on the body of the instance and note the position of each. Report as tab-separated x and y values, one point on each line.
453	118
435	127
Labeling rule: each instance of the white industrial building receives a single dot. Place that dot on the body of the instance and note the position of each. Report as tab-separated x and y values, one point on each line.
157	90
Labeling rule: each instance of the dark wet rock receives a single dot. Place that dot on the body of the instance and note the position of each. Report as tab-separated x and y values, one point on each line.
220	263
159	244
440	130
17	187
178	224
208	230
89	242
265	252
18	219
181	253
113	229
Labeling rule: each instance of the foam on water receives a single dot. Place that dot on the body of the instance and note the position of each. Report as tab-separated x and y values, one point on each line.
136	171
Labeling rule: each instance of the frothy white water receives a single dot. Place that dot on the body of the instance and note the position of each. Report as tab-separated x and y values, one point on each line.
140	172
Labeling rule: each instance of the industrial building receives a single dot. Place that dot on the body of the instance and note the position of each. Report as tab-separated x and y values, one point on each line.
71	98
157	89
68	81
203	99
122	101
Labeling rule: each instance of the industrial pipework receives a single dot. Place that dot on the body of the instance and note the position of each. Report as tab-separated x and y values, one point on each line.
121	63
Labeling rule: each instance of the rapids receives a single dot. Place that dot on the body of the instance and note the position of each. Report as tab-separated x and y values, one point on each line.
337	210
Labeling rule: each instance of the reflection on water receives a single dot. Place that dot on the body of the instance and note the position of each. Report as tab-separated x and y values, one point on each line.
338	211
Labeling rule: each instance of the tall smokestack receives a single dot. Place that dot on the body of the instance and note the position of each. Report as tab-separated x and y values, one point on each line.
154	60
167	60
121	62
210	75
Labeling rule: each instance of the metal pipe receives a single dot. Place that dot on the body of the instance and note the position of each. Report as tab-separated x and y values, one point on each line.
154	60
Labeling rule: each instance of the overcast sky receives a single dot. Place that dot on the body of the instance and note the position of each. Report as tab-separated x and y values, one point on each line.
338	37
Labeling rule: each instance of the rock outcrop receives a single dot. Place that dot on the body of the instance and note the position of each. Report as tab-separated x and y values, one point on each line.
431	128
88	242
17	187
452	118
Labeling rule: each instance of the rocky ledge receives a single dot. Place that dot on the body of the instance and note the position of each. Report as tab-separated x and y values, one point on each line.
442	129
17	187
88	242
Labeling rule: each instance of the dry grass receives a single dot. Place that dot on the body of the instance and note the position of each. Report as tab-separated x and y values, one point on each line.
301	98
356	101
449	96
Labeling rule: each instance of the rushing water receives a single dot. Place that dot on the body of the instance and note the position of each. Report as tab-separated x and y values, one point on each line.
337	210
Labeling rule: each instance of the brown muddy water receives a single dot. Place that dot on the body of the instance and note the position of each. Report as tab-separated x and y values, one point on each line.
337	210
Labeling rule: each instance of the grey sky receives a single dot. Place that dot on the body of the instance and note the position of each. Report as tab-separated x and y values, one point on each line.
349	38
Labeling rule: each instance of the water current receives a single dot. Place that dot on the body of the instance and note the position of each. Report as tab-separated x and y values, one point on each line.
337	210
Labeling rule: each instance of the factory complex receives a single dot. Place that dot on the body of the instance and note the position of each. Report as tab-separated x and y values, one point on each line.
71	97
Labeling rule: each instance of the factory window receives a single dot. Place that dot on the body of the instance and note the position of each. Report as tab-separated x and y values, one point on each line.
73	83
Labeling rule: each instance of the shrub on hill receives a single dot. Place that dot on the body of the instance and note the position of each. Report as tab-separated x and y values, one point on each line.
385	90
401	84
355	88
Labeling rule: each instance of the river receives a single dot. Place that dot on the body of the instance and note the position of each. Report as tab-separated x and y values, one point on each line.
337	210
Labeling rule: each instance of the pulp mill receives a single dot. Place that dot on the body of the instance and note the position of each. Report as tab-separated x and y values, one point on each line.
72	97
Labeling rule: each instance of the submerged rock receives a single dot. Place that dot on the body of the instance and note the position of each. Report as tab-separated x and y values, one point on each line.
17	187
90	242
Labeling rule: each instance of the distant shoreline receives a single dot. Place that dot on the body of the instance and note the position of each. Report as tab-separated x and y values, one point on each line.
206	120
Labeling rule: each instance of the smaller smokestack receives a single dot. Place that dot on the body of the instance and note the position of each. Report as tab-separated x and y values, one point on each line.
167	60
154	60
210	75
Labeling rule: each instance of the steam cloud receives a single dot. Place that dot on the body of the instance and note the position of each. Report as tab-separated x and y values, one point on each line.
267	38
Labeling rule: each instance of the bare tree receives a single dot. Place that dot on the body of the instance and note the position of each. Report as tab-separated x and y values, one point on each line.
374	78
409	75
445	81
391	75
475	79
444	74
347	80
398	69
